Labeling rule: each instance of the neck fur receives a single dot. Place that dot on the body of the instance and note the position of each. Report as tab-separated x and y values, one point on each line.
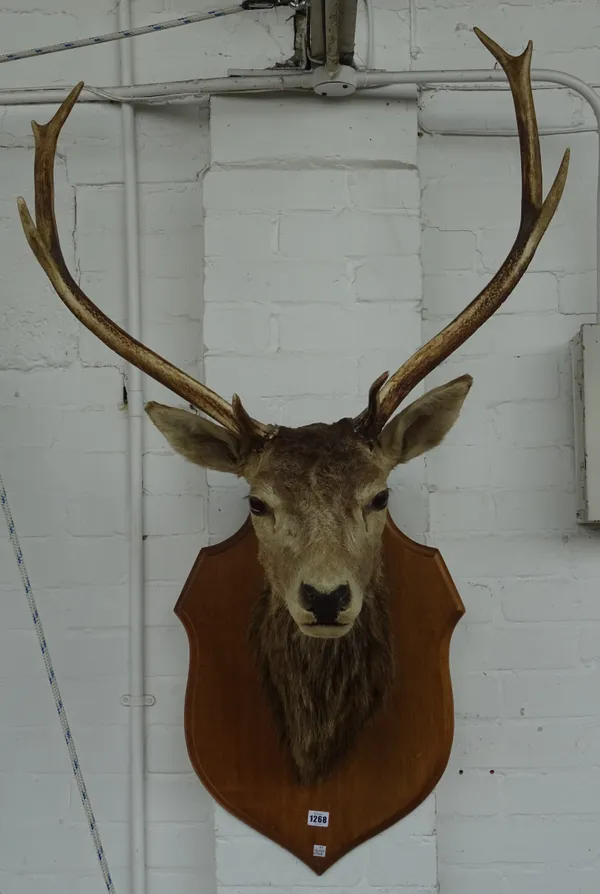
323	691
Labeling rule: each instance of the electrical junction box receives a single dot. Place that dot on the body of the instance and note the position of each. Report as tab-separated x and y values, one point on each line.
585	357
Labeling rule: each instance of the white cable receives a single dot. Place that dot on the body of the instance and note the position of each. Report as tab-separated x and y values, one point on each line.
120	35
62	714
468	132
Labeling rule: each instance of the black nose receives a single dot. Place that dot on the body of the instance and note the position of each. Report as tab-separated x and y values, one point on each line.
325	606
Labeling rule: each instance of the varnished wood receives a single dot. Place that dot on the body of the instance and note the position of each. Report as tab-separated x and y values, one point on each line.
231	737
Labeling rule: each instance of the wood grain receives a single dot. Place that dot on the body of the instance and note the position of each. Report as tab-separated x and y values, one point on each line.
231	737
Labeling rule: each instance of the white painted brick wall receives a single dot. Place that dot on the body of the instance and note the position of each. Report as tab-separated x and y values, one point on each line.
517	810
314	274
362	206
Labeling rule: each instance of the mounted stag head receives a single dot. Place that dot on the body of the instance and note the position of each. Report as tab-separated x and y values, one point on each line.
319	492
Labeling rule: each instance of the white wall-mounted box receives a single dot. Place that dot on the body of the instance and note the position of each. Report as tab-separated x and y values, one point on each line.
585	355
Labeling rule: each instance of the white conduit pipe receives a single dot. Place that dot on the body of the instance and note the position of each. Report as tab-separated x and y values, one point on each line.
55	95
135	408
384	79
370	80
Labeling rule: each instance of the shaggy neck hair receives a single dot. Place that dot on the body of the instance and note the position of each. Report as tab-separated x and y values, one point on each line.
323	691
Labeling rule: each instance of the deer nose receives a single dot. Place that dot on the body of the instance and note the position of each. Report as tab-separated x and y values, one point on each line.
325	606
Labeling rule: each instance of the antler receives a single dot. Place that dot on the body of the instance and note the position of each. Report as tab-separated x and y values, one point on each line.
535	218
44	242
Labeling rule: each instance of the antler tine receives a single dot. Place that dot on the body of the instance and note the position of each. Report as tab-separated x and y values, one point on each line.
535	218
44	242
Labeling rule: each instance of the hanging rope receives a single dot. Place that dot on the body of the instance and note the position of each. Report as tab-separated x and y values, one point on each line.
120	35
85	799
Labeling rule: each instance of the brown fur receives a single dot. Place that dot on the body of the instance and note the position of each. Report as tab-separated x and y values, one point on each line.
322	692
317	482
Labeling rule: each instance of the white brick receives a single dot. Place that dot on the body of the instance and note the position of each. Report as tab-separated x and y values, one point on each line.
569	694
451	291
160	603
311	131
167	649
349	330
525	744
506	334
170	474
519	840
277	281
181	846
258	41
569	791
280	375
457	467
549	600
228	511
486	649
348	234
376	189
549	510
404	862
578	293
478	695
103	515
178	798
25	794
446	204
83	388
489	557
175	882
174	515
589	647
479	598
315	408
469	879
448	250
553	879
467	793
232	235
534	423
515	467
457	511
242	328
272	190
76	560
388	279
564	248
108	794
166	750
258	861
172	146
489	157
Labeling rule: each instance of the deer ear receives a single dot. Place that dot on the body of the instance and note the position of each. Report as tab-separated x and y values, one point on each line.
199	440
425	423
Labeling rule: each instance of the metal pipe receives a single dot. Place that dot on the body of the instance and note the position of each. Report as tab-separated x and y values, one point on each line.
135	409
368	79
332	36
56	95
365	80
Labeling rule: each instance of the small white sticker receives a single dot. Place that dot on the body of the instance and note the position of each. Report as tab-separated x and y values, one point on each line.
319	850
318	818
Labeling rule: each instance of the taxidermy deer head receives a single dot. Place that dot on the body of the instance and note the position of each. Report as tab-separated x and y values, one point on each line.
318	493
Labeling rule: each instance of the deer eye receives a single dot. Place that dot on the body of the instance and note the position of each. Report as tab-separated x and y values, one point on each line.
257	507
379	501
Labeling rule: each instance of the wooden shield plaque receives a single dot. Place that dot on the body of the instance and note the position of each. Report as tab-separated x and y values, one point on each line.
231	736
